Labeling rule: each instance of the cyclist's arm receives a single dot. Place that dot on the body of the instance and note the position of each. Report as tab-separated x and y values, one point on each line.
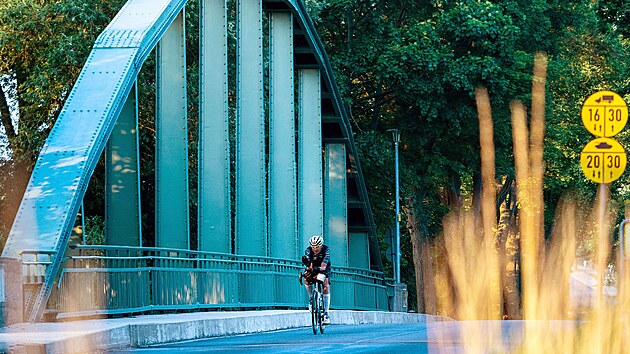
326	259
306	259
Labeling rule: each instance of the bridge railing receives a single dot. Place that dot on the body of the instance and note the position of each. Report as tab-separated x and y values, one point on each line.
108	280
34	266
34	263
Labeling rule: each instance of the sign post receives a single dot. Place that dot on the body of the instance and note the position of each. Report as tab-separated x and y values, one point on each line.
603	160
624	249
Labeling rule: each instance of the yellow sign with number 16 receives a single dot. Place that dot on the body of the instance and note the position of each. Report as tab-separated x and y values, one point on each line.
604	114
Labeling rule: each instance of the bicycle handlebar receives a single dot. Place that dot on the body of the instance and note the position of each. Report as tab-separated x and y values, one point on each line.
314	272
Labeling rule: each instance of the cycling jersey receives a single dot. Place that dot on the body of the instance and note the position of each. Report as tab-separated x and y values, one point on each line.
317	259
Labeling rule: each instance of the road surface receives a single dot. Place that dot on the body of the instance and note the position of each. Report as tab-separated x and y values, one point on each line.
439	337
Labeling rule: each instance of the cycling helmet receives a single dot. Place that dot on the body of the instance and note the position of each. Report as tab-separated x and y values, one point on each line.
316	241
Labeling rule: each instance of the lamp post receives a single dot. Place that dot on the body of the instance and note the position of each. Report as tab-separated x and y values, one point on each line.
396	137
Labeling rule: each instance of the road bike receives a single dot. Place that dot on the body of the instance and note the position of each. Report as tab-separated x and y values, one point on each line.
317	305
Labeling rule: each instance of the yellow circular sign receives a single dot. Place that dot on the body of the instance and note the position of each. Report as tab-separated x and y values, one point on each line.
603	160
604	113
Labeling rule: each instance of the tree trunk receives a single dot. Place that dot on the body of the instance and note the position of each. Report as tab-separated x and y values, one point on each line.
509	308
476	197
430	296
5	116
14	177
414	233
451	194
417	226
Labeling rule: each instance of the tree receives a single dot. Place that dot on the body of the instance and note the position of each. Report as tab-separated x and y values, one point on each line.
43	45
414	65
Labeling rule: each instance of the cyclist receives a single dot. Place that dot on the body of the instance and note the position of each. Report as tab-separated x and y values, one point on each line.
317	260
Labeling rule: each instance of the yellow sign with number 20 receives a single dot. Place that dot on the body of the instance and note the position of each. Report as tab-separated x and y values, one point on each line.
603	160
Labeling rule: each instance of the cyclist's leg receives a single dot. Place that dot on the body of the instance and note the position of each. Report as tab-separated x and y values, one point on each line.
326	298
322	316
309	290
326	295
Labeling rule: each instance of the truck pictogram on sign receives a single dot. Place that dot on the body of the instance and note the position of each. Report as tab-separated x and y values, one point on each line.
604	114
608	98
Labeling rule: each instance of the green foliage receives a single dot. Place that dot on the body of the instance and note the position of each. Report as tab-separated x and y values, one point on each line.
591	59
94	230
43	45
616	15
414	65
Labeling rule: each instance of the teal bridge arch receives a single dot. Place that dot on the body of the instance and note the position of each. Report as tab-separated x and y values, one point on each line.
297	173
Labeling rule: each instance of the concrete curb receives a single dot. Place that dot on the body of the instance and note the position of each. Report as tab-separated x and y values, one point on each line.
147	334
142	331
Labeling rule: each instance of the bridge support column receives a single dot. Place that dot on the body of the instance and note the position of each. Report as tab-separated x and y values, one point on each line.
282	169
171	141
122	179
251	201
214	220
11	292
358	250
310	185
335	201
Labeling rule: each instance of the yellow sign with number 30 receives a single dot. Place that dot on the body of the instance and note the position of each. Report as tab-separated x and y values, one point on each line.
604	114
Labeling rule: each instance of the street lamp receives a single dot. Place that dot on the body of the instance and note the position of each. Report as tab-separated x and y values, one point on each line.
396	137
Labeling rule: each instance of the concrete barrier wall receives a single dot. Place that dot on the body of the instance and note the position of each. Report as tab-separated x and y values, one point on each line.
142	331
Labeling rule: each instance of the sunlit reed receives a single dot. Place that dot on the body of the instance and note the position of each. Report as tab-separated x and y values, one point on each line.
479	281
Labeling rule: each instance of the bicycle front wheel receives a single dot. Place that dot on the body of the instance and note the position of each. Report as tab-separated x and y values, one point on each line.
315	313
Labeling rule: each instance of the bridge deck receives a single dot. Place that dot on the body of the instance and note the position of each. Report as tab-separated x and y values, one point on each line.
90	335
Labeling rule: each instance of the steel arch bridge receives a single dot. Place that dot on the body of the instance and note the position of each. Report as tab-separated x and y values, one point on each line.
289	185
